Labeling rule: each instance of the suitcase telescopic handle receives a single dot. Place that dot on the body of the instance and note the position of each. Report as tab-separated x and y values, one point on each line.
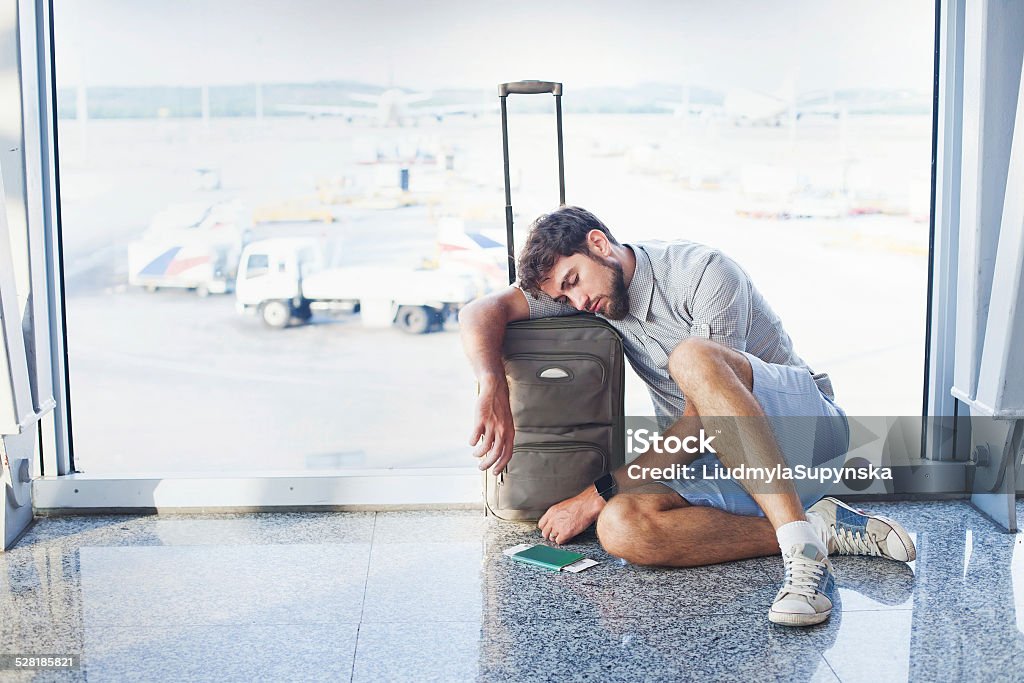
527	88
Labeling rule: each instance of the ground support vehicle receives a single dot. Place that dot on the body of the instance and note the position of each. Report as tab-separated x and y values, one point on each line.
284	282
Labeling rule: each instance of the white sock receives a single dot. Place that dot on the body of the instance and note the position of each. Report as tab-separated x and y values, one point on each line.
820	527
799	533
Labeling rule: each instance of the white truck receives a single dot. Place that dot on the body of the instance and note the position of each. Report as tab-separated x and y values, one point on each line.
284	282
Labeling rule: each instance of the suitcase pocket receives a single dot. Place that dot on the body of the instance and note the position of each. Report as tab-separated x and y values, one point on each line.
558	389
542	474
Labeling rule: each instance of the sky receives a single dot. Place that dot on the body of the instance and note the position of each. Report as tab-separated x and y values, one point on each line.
757	44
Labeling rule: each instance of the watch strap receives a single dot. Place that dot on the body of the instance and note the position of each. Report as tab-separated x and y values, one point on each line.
606	486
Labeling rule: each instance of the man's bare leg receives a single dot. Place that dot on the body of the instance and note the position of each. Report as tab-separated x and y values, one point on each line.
719	382
662	529
700	367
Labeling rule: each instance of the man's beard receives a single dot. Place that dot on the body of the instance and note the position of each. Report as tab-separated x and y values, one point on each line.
618	299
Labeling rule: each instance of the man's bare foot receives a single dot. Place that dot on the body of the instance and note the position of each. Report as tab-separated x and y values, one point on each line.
566	520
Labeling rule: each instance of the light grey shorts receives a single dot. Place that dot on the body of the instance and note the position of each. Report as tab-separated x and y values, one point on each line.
810	429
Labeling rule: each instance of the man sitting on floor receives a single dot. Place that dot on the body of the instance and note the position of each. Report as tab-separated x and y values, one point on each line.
707	344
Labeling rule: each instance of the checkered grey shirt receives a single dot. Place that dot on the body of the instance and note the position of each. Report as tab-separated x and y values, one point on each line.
683	289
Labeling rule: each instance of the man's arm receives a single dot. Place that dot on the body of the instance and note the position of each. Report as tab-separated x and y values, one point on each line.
482	326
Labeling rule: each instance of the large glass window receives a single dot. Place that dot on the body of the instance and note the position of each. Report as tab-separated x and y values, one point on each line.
272	212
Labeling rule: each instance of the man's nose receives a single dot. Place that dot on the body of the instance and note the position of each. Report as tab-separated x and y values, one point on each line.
578	301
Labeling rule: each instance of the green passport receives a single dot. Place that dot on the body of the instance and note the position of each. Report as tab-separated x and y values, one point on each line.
547	557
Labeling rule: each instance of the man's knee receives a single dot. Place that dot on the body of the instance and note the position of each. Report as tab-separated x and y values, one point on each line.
693	361
626	528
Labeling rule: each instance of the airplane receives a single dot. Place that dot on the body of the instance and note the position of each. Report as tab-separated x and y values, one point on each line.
390	108
742	106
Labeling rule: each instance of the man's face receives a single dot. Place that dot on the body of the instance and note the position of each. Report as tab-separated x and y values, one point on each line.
595	284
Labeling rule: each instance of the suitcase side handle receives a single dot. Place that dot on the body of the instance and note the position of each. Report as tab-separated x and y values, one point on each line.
529	88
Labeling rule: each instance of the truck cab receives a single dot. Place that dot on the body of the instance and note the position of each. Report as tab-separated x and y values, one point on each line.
270	275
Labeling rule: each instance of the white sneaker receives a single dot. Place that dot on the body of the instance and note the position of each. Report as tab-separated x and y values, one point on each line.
806	596
855	532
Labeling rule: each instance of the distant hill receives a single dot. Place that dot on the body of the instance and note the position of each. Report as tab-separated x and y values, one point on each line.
244	100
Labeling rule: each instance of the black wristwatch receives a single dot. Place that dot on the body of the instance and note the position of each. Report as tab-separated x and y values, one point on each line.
606	486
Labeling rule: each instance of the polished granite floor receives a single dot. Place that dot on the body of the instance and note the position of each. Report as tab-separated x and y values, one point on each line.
428	596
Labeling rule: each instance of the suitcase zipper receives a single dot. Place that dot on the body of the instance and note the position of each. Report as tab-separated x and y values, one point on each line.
555	354
560	446
573	321
557	446
581	320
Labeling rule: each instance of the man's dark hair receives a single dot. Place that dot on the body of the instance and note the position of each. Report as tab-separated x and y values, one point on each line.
562	232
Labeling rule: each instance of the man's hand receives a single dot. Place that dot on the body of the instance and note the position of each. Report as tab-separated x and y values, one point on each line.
493	430
566	520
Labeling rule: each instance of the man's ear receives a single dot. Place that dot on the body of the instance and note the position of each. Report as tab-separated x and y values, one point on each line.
598	242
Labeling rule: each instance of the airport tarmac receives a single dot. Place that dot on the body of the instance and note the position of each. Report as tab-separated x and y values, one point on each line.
171	382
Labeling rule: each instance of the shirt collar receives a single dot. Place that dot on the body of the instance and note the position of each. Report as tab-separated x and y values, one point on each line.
641	287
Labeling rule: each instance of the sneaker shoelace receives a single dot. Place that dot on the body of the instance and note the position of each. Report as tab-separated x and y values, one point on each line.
803	575
856	543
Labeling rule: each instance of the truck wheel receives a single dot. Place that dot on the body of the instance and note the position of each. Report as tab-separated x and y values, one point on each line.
301	313
437	319
202	291
414	319
276	314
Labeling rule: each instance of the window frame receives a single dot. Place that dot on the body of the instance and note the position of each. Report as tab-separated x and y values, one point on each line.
62	488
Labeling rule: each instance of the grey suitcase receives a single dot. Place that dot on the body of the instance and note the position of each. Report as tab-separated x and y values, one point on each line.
566	381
